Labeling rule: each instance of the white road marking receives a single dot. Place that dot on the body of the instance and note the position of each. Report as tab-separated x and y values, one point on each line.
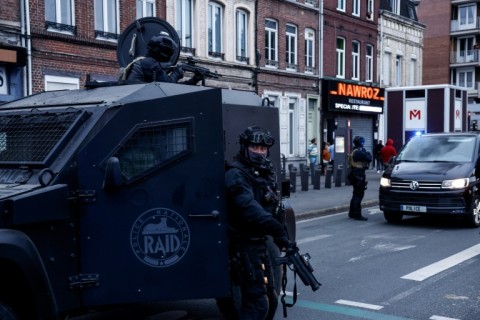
359	304
439	266
441	318
310	239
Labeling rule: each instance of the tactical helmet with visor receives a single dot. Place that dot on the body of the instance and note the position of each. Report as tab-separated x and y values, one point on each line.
162	47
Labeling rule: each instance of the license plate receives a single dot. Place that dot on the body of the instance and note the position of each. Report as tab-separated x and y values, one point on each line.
409	208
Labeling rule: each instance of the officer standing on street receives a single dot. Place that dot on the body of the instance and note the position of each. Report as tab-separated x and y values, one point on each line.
254	212
359	161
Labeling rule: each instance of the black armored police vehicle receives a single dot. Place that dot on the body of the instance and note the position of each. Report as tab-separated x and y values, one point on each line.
115	194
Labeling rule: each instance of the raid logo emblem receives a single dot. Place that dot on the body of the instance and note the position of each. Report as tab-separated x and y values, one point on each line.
160	237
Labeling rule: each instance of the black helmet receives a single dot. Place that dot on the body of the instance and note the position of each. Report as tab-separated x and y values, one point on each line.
358	141
162	47
256	136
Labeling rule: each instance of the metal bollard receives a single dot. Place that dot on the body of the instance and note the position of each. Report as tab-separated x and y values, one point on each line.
328	178
304	171
316	178
293	178
338	176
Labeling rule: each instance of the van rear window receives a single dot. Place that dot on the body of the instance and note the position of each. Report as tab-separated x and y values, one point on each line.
439	149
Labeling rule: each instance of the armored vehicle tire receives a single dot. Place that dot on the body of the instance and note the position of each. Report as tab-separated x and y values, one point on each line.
393	216
6	312
473	215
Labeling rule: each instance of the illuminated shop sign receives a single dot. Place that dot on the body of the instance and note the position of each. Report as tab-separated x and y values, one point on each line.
352	97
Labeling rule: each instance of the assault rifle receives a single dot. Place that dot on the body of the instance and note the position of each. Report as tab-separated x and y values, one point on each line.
299	264
191	66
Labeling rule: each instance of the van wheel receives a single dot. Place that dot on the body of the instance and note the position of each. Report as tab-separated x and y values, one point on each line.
473	216
393	216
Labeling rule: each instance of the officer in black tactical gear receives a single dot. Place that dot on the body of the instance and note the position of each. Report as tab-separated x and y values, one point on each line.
254	212
149	68
359	161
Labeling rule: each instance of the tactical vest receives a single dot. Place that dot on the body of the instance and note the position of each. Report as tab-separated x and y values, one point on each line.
357	164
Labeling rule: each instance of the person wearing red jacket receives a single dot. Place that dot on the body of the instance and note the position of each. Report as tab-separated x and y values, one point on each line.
388	152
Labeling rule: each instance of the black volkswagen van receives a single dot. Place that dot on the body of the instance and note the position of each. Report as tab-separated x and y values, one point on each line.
433	174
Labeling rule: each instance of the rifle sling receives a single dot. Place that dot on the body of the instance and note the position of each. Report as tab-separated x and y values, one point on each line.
284	286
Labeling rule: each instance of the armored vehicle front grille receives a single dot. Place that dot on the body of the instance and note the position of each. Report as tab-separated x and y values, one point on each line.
421	185
35	137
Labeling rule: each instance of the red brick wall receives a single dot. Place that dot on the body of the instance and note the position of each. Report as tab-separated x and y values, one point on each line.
436	51
351	28
279	79
77	55
10	10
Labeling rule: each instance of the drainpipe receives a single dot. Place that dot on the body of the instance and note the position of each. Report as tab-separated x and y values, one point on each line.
22	37
29	45
320	68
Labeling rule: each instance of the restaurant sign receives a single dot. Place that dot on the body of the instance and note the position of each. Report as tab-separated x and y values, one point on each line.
351	97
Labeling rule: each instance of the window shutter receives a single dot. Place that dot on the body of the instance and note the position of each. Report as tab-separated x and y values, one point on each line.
284	138
302	120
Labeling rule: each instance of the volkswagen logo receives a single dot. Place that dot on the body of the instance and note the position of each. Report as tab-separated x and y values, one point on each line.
414	185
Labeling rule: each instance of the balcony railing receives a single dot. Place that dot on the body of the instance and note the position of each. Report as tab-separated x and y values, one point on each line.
214	54
311	70
49	25
106	35
188	50
243	59
271	63
455	25
466	56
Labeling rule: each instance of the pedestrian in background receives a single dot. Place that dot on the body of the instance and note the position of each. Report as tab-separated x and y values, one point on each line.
388	152
359	161
378	156
312	151
331	149
325	157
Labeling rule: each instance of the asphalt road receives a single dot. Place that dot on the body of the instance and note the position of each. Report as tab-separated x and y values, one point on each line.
419	269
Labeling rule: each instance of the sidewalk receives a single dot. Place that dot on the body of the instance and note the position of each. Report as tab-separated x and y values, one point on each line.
326	201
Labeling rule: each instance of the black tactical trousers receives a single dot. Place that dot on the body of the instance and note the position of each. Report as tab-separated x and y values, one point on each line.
254	297
358	183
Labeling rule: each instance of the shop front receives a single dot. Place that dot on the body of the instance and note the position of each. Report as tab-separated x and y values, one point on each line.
350	109
12	61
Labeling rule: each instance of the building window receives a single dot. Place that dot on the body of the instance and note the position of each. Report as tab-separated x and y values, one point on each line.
370	9
291	42
59	15
271	32
184	23
309	50
242	36
465	50
356	8
215	18
106	19
467	16
413	72
340	58
395	4
341	5
292	125
355	60
398	70
386	68
465	78
369	63
145	8
53	83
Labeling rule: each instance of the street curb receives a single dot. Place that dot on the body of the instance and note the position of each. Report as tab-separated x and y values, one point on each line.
332	210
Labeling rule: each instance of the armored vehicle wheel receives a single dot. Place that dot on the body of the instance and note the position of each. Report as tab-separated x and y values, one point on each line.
393	216
6	312
473	215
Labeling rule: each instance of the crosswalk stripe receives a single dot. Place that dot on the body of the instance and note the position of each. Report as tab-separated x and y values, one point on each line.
442	265
310	239
359	304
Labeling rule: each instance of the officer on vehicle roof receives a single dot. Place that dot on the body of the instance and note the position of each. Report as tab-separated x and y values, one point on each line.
149	68
254	212
359	161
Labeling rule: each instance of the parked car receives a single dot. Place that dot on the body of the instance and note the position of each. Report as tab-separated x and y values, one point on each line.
433	174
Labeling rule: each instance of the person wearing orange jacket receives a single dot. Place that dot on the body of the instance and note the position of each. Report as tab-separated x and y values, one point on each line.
388	152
